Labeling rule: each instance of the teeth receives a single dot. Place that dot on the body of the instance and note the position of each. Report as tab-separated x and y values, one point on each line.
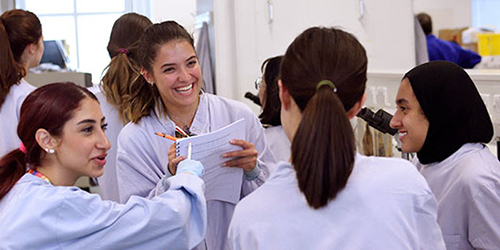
402	134
189	87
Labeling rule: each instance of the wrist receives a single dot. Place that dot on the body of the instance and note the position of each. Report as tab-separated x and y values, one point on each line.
252	174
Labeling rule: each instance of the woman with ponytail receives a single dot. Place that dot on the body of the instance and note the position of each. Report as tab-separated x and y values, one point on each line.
121	87
170	65
62	132
21	48
329	196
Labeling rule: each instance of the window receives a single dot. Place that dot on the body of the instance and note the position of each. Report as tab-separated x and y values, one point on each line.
485	14
84	25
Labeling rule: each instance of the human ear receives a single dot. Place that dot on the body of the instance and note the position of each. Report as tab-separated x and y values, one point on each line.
284	96
147	75
45	140
31	48
357	107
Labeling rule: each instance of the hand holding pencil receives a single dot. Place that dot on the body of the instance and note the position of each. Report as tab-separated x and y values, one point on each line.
172	159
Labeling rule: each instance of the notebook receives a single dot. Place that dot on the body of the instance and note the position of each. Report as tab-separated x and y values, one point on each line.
221	183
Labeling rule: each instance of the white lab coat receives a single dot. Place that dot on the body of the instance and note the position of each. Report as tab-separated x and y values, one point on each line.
9	116
278	142
467	189
108	183
37	215
143	157
386	204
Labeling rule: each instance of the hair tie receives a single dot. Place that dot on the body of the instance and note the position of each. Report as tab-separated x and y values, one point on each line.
22	148
123	50
328	83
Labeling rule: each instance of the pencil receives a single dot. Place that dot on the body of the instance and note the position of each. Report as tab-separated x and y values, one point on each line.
166	136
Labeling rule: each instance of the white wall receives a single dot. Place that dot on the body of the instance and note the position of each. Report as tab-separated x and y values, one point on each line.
446	14
6	5
244	37
182	12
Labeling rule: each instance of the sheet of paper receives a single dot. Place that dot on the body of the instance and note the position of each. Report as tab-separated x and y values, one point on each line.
222	183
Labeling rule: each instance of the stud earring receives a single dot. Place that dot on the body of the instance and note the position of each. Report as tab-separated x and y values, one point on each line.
50	151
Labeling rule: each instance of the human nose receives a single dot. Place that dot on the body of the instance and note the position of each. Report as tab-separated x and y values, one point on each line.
184	74
396	121
103	141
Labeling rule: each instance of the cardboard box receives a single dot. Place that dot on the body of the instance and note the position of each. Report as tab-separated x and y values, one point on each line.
470	46
453	35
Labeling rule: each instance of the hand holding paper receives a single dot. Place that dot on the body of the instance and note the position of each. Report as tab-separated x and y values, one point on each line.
222	183
246	158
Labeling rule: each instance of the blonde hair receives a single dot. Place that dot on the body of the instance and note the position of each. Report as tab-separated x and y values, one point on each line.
122	83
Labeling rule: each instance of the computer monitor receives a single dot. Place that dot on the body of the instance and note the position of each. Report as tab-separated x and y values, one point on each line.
55	53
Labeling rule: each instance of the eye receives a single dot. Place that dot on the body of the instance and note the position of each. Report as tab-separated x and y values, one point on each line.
88	129
192	63
168	70
104	127
402	108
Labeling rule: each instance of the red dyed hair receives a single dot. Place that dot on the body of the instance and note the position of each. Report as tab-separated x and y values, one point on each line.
48	107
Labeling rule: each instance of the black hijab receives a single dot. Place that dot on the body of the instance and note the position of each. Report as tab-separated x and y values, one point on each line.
453	106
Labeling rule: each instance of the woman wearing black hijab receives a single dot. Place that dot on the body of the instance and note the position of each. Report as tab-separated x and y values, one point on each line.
442	117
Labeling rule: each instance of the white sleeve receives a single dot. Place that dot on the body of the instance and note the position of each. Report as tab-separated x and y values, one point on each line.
265	158
429	232
176	219
138	168
484	218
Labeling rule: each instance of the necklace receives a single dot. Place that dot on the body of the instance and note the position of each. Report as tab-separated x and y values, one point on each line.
40	175
186	126
183	131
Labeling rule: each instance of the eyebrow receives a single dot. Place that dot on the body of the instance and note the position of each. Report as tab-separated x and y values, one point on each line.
401	101
86	121
191	57
171	64
89	121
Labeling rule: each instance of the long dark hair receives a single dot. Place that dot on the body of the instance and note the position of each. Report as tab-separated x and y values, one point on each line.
152	39
323	148
271	108
18	29
48	107
122	81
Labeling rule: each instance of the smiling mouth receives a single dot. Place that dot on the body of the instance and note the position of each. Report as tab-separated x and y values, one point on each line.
185	89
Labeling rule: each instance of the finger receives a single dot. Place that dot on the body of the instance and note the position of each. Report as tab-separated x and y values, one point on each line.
242	143
176	160
172	165
171	152
236	162
247	165
241	153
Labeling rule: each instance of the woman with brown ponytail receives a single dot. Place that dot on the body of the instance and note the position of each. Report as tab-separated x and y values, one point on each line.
328	196
121	83
21	48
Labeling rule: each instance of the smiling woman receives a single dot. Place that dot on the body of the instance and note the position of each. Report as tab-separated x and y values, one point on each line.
62	130
170	64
